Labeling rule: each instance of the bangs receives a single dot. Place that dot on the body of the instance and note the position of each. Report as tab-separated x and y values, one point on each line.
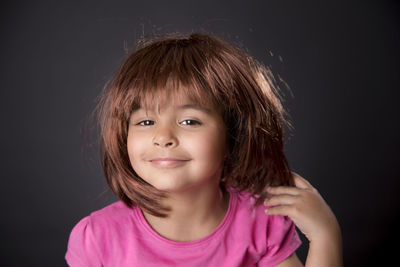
173	91
162	72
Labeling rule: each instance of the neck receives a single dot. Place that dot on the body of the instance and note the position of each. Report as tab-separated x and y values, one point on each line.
195	213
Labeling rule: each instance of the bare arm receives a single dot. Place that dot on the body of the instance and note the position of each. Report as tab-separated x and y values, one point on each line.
308	210
291	261
326	251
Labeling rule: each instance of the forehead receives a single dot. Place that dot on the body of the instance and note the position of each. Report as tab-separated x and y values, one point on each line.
183	97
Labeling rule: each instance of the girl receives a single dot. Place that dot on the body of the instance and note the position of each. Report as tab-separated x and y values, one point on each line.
192	144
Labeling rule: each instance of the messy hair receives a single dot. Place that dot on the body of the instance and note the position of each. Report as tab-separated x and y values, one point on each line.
209	70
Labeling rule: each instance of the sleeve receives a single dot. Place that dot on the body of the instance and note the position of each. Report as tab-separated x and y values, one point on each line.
282	240
82	248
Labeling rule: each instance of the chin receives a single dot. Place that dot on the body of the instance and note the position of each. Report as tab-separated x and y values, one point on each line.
172	187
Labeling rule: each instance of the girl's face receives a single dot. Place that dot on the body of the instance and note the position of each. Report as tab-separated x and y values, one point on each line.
177	145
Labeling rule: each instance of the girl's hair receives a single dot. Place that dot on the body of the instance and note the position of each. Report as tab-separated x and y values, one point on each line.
208	70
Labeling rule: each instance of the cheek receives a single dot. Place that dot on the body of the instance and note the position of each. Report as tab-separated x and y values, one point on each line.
209	148
135	146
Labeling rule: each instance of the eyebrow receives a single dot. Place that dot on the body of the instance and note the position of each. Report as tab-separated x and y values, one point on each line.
197	107
186	106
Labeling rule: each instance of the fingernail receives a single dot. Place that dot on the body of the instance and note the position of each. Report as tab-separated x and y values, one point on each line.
266	210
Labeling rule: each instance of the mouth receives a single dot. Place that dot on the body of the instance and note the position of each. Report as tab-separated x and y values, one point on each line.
168	162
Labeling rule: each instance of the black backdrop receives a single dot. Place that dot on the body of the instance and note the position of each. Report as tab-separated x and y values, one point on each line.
339	58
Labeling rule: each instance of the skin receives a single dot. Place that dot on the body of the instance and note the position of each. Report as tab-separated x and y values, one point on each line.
313	217
197	136
191	134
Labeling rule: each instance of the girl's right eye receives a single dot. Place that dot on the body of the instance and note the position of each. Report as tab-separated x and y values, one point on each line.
146	123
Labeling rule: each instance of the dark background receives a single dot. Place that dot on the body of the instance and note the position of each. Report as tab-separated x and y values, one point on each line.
340	59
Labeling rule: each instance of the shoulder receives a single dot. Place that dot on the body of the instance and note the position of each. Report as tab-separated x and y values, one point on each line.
274	225
115	212
109	218
85	242
273	236
246	207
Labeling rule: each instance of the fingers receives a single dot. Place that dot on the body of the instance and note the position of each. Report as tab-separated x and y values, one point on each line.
283	210
300	182
287	190
281	200
285	200
280	204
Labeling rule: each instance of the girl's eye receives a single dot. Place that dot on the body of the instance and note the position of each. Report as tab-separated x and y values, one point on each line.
190	122
146	123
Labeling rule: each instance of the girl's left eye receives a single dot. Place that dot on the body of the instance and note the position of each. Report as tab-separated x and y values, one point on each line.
190	122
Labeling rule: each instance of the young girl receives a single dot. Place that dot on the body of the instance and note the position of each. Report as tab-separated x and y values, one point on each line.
192	144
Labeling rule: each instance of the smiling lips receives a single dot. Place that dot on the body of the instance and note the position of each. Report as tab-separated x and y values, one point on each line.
168	162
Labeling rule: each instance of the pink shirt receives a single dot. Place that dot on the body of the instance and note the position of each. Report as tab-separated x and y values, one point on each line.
119	236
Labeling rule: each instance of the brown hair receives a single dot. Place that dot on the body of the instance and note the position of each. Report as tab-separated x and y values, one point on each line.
209	70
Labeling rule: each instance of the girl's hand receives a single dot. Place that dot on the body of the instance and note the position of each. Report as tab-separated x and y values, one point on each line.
305	207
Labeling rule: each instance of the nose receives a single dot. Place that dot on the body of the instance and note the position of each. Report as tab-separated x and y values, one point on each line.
164	137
